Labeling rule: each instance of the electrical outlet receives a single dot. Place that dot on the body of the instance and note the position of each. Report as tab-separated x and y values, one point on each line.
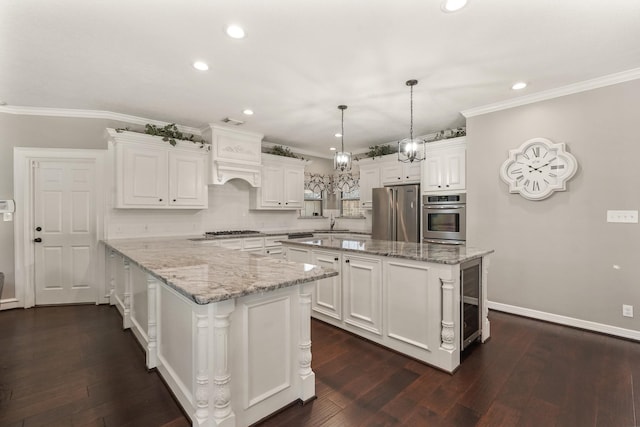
630	217
627	310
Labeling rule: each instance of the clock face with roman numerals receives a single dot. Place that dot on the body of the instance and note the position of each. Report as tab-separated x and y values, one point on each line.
538	168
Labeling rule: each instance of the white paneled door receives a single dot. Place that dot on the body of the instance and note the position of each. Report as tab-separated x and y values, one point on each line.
64	231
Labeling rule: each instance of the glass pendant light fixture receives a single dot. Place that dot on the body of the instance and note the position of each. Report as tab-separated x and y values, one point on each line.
342	159
411	149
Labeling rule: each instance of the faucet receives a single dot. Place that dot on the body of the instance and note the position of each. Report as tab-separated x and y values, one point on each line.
332	222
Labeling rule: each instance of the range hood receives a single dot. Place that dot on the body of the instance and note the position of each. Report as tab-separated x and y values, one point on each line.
234	154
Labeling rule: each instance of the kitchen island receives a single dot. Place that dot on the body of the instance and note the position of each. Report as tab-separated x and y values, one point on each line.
229	331
402	295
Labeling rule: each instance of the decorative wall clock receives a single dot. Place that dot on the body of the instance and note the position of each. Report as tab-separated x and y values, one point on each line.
538	168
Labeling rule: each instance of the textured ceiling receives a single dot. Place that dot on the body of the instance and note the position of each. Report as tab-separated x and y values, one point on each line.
301	59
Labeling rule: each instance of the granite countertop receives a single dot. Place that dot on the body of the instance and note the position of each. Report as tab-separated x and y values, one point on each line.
277	233
428	252
208	274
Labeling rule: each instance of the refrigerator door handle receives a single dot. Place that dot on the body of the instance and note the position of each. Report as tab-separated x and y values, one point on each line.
394	213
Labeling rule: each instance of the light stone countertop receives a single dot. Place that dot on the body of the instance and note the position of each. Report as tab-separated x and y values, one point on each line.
208	274
427	252
276	233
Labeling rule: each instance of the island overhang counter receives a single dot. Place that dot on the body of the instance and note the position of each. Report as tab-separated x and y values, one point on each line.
422	299
229	331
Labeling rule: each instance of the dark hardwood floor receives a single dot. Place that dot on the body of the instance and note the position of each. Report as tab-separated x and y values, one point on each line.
74	366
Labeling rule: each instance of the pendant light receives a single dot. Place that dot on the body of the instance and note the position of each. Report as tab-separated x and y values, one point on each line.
342	159
411	149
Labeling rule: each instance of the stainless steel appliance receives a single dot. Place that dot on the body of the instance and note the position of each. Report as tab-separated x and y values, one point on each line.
396	213
444	219
470	301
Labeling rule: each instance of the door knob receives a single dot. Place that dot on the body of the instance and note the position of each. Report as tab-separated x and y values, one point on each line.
38	228
37	240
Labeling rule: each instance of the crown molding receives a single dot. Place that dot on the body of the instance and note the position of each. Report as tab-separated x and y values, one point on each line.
90	114
586	85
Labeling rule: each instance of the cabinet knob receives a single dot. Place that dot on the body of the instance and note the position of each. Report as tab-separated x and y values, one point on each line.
174	200
38	228
286	203
336	259
37	240
447	185
159	200
347	261
279	203
407	177
399	178
439	186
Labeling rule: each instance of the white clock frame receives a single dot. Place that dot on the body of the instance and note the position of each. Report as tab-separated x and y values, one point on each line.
562	173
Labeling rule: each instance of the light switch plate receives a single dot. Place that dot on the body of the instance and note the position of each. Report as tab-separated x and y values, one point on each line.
627	310
630	217
7	216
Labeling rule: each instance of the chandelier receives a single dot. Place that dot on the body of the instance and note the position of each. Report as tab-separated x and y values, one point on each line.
342	159
411	149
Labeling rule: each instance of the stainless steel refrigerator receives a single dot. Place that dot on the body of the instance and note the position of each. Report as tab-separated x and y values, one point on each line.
396	213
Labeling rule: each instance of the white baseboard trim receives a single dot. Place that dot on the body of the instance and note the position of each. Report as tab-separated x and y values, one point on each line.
8	303
567	321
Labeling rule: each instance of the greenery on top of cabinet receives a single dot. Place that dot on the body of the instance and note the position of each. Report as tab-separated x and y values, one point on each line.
169	133
279	150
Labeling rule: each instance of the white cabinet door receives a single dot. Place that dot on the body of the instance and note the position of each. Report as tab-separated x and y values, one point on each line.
369	179
391	173
362	288
293	187
187	173
412	172
454	169
433	174
272	191
327	295
143	174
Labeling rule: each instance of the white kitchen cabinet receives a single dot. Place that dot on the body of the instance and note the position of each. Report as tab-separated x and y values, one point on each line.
150	173
273	247
296	254
282	184
394	172
362	288
327	295
369	179
444	169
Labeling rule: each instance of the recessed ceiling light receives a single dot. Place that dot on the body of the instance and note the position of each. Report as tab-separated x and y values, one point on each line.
453	5
338	135
332	148
199	65
519	85
235	32
247	112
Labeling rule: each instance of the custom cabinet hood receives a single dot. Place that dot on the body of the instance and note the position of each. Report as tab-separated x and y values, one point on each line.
234	154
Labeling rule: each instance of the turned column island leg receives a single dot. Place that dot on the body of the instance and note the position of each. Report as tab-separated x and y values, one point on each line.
307	376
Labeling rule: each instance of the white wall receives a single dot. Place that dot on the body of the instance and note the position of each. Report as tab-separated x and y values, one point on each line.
557	255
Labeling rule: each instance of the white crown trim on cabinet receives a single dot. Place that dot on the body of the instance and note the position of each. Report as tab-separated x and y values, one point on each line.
586	85
90	114
565	320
